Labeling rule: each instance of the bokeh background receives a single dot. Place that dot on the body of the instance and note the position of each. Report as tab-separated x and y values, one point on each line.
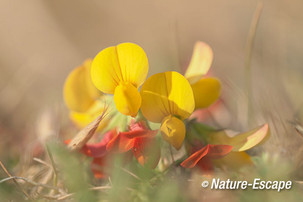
43	40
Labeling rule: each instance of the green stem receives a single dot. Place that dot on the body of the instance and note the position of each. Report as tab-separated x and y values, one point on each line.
53	165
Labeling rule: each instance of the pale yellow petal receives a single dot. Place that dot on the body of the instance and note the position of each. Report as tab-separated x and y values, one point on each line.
164	94
83	119
206	92
79	91
234	160
251	138
200	63
242	141
91	88
126	62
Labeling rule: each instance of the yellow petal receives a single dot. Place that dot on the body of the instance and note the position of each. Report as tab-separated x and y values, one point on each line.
83	119
164	94
173	131
126	62
234	160
200	63
250	139
79	91
242	141
206	91
127	99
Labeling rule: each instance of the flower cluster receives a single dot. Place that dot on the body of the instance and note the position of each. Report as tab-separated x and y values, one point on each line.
167	98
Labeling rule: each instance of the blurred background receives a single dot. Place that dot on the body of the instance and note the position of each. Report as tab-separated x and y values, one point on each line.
43	40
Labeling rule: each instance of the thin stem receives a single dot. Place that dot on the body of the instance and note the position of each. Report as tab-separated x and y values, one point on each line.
130	173
15	181
248	56
53	165
42	162
28	181
171	153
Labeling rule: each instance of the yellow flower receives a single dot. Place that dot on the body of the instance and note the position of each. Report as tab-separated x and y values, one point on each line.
167	98
206	90
240	142
82	97
120	70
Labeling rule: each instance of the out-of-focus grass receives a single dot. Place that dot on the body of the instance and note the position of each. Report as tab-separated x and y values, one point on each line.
73	173
273	167
133	182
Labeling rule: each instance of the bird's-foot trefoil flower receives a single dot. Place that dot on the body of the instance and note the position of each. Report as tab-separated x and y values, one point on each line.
241	143
141	140
82	98
167	98
206	89
165	104
199	135
120	70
